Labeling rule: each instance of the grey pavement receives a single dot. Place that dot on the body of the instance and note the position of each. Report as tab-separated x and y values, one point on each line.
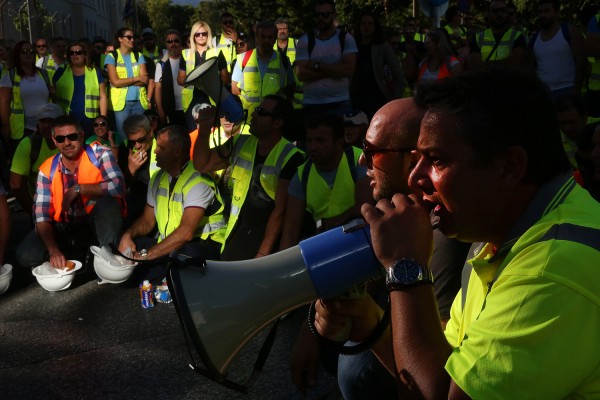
97	342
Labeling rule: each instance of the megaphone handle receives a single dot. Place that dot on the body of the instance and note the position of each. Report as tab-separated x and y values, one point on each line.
355	349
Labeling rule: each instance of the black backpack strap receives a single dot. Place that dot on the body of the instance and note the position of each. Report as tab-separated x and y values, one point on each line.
351	162
36	146
304	177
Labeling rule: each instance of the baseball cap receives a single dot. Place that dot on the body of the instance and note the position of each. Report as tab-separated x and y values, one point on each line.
51	111
356	118
147	31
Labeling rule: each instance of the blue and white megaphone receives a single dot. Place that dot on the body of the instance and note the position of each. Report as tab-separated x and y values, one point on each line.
222	305
206	78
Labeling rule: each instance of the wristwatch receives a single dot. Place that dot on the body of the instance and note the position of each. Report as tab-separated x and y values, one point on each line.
77	189
144	253
405	273
316	66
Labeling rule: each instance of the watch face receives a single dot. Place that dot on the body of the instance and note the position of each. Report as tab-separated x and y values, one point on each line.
407	272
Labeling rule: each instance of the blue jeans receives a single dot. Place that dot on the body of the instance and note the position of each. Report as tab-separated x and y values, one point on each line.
362	376
132	107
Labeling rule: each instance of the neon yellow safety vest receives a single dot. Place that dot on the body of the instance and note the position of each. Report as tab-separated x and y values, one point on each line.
169	206
153	168
154	56
118	95
486	42
291	49
48	64
242	161
461	32
323	201
17	113
187	94
224	46
64	91
255	88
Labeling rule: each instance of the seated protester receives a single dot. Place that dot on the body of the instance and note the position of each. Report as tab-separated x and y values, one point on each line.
182	203
330	186
80	191
104	135
29	156
263	164
220	135
137	160
355	128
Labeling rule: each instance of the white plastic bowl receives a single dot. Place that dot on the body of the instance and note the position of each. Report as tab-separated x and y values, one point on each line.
111	268
5	277
56	281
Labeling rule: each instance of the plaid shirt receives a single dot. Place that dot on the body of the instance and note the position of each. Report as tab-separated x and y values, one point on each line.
112	184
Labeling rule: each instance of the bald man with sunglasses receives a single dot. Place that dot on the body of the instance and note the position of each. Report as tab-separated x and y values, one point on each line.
79	200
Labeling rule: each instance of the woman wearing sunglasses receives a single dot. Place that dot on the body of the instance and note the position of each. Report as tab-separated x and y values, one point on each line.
128	79
201	49
80	87
24	91
103	134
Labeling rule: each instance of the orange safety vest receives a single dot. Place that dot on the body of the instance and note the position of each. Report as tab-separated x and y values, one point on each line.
444	70
88	173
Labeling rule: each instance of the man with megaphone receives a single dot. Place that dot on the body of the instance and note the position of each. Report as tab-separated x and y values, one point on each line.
492	168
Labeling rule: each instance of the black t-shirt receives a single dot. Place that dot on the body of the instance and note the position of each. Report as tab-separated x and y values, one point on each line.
138	184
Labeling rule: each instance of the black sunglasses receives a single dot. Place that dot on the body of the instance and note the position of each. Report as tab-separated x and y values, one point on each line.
76	52
323	15
203	34
241	44
263	112
40	46
73	137
131	143
97	124
26	51
169	41
128	37
369	152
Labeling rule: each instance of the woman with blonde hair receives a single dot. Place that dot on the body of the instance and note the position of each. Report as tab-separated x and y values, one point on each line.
201	49
80	87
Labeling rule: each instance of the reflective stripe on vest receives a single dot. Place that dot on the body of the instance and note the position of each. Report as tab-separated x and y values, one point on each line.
187	93
88	172
169	209
325	202
256	88
242	161
118	95
486	42
65	87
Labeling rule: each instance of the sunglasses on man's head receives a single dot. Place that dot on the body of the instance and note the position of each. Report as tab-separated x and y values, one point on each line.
73	137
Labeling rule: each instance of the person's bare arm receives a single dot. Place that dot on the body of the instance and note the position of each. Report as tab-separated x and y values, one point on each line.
578	50
140	80
142	226
235	89
5	94
103	99
47	234
207	159
275	223
18	186
158	100
344	69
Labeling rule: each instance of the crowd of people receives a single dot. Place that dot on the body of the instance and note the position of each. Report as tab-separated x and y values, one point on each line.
491	136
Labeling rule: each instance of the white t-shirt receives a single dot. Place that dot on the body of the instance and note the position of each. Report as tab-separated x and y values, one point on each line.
177	88
34	96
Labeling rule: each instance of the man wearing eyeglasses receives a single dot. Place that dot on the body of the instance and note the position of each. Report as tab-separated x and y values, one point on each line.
167	91
225	43
41	48
499	45
80	193
325	62
263	165
58	57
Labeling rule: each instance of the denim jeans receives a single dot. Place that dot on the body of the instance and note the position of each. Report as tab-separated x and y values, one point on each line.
131	107
362	376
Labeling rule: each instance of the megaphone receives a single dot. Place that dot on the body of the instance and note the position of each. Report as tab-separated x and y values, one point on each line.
206	78
222	305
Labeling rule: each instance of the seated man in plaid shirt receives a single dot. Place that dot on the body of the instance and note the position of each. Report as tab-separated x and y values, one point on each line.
79	193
